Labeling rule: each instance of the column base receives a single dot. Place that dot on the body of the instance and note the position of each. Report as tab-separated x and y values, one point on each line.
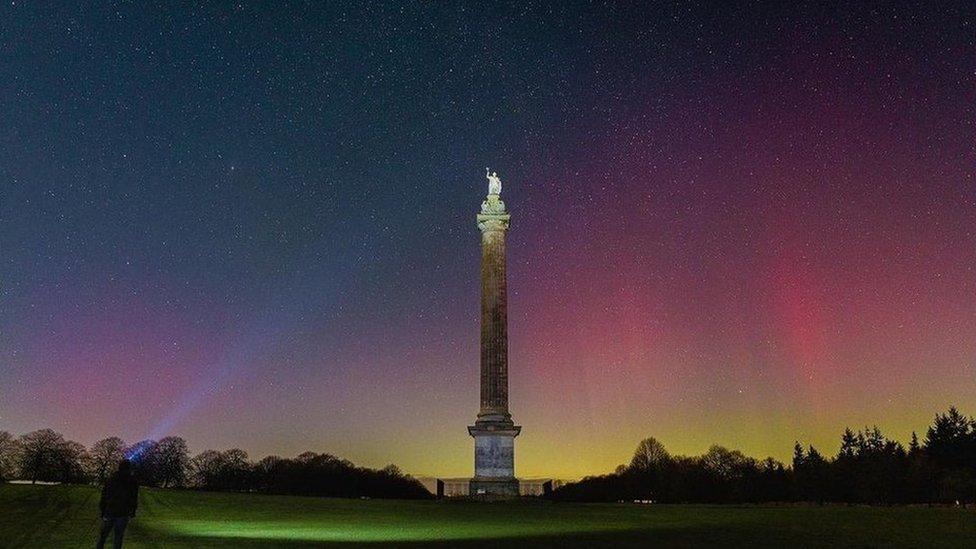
494	457
494	488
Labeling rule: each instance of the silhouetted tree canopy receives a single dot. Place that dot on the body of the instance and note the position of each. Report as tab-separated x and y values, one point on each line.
951	440
868	468
649	454
144	456
326	475
9	455
45	455
172	462
227	470
105	456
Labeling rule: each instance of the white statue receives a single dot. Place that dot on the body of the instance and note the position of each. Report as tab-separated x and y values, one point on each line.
494	182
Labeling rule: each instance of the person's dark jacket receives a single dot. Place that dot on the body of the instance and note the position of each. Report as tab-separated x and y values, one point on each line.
120	496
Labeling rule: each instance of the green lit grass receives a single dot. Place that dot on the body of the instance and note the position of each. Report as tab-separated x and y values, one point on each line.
65	517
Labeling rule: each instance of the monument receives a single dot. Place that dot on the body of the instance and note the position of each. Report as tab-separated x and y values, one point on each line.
494	431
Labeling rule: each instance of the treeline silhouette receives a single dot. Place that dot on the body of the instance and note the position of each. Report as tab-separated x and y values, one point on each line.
46	455
868	468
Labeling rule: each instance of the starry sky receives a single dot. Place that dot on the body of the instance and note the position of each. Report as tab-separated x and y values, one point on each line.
253	225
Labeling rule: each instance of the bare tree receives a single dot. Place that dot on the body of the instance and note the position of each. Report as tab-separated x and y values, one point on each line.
227	470
392	470
205	467
237	469
650	454
46	455
105	456
727	464
172	461
9	456
75	462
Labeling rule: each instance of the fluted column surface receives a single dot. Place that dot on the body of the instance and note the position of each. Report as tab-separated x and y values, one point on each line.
494	320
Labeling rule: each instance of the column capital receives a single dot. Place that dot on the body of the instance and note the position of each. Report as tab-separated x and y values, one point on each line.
493	222
493	216
493	205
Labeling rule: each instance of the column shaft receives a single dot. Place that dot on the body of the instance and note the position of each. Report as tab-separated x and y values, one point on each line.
494	321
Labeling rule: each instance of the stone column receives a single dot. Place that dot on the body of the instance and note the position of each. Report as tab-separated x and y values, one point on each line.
494	320
494	431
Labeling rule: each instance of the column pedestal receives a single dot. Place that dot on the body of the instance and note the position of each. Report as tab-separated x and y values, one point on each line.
494	460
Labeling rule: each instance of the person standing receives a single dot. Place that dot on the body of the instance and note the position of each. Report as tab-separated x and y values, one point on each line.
120	496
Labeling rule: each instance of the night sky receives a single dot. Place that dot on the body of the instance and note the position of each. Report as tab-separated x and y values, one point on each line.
253	224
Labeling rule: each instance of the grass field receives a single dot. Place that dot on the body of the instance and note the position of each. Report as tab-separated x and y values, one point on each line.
65	517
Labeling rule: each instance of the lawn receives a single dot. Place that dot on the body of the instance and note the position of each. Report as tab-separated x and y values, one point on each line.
65	517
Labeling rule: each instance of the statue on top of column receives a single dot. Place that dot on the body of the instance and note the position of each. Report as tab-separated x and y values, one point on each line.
494	182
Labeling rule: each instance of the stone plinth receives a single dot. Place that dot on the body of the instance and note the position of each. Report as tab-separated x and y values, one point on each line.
494	488
494	450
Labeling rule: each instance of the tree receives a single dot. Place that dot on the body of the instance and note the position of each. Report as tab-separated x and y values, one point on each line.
816	476
172	461
798	458
773	482
205	468
951	440
392	471
37	458
728	474
868	468
727	464
105	457
848	444
144	456
950	445
227	470
913	446
882	466
268	472
74	462
46	455
650	454
236	471
9	456
314	474
920	484
808	473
